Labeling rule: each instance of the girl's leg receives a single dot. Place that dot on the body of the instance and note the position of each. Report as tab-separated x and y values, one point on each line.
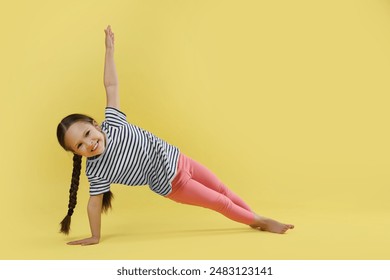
204	176
196	185
194	193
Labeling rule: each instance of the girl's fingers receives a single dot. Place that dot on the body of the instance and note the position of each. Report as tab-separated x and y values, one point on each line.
77	242
109	33
87	244
84	242
74	242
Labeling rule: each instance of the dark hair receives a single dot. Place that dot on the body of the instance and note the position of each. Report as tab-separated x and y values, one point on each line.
62	127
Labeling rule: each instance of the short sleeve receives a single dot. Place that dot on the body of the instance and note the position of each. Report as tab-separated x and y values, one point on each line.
114	117
98	186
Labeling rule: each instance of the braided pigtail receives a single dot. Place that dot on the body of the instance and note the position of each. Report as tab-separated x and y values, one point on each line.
74	186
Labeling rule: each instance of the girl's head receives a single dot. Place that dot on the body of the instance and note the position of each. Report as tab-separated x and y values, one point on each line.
81	135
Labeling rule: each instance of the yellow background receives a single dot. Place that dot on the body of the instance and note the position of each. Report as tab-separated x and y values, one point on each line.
286	101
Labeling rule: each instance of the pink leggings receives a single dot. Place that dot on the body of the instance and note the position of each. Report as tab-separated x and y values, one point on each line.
196	185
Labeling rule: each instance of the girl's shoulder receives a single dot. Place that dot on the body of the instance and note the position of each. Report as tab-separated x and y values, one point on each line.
115	117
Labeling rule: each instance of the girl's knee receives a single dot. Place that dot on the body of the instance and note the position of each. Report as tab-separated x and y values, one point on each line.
222	204
223	189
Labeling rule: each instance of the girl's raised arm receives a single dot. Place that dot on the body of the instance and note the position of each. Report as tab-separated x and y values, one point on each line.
111	83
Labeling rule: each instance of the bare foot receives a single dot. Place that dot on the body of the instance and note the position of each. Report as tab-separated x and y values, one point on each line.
266	224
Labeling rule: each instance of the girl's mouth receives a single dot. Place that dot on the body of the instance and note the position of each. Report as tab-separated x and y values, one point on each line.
95	146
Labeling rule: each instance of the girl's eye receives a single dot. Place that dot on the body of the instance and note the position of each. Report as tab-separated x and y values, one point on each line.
86	134
79	146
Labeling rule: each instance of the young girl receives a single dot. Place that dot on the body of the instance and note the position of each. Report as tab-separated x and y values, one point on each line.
121	153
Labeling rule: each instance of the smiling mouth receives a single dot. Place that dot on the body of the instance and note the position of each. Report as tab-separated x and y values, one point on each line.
95	146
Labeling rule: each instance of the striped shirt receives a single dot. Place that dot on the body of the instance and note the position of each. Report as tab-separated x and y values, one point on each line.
132	157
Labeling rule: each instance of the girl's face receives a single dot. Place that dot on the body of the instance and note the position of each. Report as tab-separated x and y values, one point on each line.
85	139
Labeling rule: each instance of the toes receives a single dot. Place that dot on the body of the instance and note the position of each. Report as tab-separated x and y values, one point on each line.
287	227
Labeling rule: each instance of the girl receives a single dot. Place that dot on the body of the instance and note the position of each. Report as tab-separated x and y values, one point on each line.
122	153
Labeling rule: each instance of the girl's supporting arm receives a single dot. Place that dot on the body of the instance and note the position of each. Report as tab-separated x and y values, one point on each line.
94	215
111	83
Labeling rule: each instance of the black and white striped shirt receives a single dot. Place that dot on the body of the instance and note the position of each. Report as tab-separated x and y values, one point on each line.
132	156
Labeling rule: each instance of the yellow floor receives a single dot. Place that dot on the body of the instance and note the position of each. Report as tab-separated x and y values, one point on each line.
155	228
286	101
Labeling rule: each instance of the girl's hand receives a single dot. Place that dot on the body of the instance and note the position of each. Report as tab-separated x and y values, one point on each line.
109	38
87	241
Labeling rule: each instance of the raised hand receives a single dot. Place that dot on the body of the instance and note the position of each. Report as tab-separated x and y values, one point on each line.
110	38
